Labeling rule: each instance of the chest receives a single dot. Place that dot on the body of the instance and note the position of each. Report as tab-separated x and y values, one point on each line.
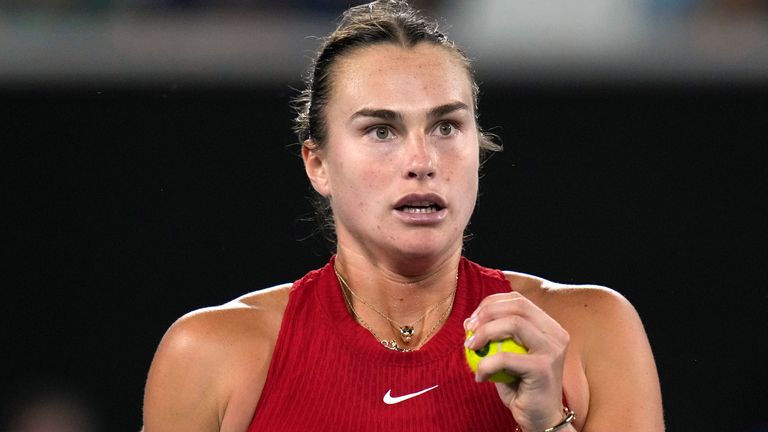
576	387
345	391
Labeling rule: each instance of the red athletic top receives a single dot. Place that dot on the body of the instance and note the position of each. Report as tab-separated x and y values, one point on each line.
328	373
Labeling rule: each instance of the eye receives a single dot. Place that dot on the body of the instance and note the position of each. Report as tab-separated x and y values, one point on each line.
446	129
381	133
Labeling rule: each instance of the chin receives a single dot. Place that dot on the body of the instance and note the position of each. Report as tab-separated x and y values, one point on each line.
425	248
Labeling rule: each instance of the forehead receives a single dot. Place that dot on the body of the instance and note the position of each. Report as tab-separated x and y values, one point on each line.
400	78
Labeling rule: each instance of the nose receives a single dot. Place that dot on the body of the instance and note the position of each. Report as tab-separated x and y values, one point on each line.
421	160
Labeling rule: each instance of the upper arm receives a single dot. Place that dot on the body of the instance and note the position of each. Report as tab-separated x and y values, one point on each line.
210	367
619	366
181	391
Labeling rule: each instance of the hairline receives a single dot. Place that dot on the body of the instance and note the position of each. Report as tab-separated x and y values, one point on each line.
453	53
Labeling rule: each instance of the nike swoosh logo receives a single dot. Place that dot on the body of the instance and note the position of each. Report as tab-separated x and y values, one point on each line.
391	400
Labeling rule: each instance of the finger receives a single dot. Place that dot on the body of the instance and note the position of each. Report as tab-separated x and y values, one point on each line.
516	327
536	372
514	309
488	308
499	306
493	298
519	365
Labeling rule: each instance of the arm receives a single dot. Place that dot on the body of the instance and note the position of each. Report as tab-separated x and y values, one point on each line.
613	380
181	391
211	366
535	398
623	382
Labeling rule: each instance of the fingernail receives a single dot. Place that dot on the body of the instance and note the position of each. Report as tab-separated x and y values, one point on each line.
477	378
468	343
470	323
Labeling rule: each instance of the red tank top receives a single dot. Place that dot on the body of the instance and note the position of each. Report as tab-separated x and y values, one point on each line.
328	373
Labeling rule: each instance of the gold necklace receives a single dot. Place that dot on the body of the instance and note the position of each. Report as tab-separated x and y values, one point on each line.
392	344
406	332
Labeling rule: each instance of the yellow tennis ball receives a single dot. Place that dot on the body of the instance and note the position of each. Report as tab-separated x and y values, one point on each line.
491	348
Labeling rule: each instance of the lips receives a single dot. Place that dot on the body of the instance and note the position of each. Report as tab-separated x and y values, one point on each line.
420	203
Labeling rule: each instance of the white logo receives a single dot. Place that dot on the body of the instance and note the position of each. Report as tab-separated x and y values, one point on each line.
390	400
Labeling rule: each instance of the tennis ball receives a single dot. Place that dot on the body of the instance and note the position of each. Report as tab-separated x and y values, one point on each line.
491	348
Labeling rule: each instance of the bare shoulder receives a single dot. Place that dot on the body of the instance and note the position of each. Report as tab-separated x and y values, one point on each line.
211	364
254	317
592	314
610	370
581	303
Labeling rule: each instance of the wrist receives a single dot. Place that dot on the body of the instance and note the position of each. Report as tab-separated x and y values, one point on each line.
567	417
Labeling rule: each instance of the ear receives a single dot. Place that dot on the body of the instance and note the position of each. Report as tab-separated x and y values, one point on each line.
314	165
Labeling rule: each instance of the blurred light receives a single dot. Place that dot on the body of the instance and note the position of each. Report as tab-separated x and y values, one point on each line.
234	41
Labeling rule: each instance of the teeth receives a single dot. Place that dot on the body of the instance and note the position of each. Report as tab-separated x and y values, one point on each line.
409	209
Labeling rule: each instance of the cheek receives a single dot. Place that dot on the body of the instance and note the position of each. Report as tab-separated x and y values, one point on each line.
462	171
371	174
357	184
464	180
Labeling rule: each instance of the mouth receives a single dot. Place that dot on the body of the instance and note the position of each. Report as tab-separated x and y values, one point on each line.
420	204
420	207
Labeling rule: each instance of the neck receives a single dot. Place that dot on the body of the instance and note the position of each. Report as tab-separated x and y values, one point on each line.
399	288
381	291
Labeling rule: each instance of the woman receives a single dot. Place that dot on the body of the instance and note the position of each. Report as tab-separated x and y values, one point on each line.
375	339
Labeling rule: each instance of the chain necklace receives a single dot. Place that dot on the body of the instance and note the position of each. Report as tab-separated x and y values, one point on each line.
407	331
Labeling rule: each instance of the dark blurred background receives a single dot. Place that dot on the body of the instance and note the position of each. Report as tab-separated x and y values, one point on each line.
148	169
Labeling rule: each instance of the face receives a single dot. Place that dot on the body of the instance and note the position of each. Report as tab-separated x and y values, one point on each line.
401	157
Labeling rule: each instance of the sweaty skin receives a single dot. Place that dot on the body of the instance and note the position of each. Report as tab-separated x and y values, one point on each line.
401	124
185	388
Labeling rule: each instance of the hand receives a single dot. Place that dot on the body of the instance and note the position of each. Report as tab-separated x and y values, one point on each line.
535	399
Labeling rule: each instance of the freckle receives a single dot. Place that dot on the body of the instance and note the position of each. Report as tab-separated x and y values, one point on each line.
585	305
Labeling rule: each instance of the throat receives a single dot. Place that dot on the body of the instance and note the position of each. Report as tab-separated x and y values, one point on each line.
388	327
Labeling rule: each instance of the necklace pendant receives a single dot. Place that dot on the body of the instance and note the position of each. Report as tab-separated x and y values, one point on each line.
406	333
391	344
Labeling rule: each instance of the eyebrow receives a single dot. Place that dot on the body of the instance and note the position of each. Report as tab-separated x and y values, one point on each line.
384	114
442	110
390	115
